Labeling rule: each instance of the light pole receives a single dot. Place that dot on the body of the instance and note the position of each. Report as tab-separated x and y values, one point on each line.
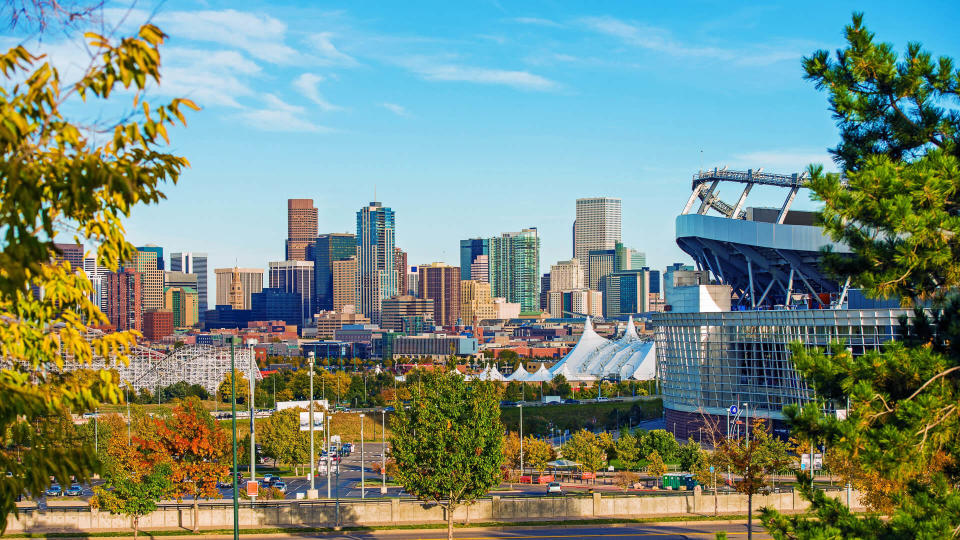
250	402
521	440
383	451
327	433
363	485
96	431
312	493
127	399
233	405
746	421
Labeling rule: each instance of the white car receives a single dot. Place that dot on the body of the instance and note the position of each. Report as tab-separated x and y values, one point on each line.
554	487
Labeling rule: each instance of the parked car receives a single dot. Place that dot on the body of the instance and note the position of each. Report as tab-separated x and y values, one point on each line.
281	486
269	478
74	491
554	487
508	404
572	401
599	399
348	447
54	490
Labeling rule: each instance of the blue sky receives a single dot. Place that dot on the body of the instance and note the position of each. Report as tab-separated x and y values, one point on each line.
471	119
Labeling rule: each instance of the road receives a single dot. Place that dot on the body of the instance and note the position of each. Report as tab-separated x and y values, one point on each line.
579	532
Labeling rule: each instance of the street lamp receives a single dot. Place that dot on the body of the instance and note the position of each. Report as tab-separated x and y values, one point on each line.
383	451
253	445
327	433
521	439
233	405
363	485
312	493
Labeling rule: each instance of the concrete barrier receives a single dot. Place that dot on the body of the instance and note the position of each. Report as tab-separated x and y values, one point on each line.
301	513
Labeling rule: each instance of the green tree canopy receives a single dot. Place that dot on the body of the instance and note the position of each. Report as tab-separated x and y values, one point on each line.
448	445
282	440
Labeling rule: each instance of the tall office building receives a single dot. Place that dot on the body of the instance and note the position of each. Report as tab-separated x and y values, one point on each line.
544	291
179	279
182	301
601	263
469	251
295	277
441	283
301	228
97	276
476	303
480	268
152	282
376	271
72	253
400	263
193	263
515	268
155	249
124	299
628	259
251	281
327	249
276	305
597	226
344	284
566	276
413	281
406	313
577	303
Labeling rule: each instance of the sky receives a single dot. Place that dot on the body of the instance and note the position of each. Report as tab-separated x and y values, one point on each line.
475	118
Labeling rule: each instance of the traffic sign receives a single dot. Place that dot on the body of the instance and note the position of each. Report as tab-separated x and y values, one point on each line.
711	468
252	488
733	410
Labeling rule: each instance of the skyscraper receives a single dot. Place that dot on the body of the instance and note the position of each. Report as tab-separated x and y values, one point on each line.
155	249
469	250
251	281
193	263
515	268
400	263
344	283
98	278
480	268
124	299
597	226
476	304
182	301
566	276
376	271
402	313
72	253
441	283
152	281
601	263
544	291
295	277
301	228
327	249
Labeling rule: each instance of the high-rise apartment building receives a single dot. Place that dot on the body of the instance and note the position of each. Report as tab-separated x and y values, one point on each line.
376	271
152	282
327	249
469	251
566	276
182	301
402	313
301	228
157	324
601	262
597	226
515	268
295	277
628	259
413	281
155	249
344	283
193	263
476	303
124	299
400	263
251	281
441	283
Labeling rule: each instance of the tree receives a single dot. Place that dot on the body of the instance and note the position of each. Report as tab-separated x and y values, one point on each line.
655	465
281	438
661	441
626	479
511	450
897	208
448	444
537	453
584	448
56	174
197	448
225	390
690	455
134	481
752	461
627	451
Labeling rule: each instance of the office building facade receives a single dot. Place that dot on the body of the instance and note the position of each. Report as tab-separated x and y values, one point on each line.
301	228
182	302
250	282
344	283
515	268
327	249
157	324
469	251
399	310
124	299
480	268
441	283
294	277
193	263
400	264
154	249
601	262
476	303
376	270
597	227
566	276
277	304
71	253
145	262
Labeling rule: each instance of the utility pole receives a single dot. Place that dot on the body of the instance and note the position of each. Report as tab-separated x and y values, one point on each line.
233	405
312	493
363	485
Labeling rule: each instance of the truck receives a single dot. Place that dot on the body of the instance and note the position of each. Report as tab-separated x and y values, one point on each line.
552	399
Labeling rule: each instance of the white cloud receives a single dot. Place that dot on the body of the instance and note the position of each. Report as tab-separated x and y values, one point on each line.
536	21
307	84
398	110
259	35
784	161
523	80
323	44
662	40
281	116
